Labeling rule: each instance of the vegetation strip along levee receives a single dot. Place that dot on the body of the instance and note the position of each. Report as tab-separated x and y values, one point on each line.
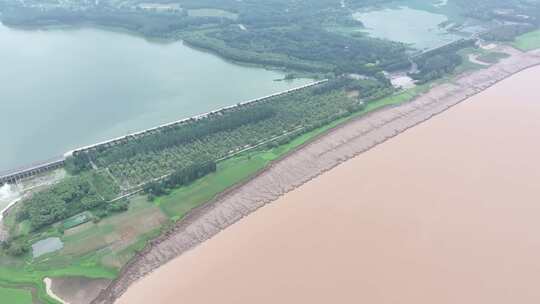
139	188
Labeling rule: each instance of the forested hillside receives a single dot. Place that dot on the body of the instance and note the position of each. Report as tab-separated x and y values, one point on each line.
283	33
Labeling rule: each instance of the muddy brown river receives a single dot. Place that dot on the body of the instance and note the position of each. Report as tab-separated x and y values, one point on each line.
447	212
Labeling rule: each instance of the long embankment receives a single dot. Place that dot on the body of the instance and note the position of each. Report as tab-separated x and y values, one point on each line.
12	176
306	163
123	139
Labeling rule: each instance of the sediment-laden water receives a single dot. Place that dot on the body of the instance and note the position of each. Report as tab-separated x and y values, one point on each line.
444	213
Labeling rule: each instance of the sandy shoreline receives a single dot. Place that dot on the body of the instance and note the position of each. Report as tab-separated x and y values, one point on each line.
319	156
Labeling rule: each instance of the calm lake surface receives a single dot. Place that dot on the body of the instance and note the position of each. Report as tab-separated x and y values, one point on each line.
413	26
62	89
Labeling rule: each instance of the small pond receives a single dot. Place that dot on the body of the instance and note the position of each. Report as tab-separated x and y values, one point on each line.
412	26
45	246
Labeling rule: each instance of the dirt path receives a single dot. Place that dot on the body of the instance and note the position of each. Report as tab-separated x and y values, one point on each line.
75	290
305	164
50	293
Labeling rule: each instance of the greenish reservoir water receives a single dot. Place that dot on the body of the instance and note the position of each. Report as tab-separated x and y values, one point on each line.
45	246
62	89
417	27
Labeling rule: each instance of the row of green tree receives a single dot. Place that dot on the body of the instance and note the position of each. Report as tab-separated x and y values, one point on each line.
174	136
180	177
441	61
144	159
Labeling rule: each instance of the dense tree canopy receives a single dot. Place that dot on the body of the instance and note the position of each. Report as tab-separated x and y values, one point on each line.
69	197
439	62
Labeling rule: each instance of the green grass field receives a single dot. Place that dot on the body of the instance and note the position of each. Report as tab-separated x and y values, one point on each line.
229	172
15	296
528	41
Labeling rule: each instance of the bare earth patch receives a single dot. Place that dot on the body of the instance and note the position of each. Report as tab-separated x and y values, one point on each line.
77	290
